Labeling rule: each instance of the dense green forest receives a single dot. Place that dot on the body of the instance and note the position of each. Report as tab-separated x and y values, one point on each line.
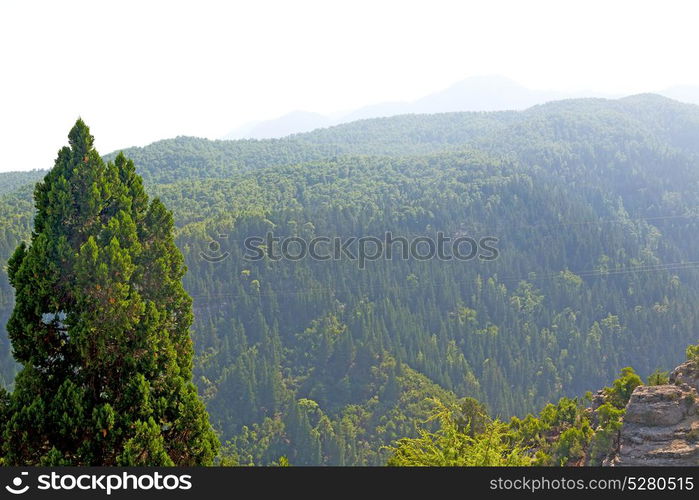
594	204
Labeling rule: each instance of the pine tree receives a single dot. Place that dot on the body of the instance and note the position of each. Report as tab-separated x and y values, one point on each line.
101	325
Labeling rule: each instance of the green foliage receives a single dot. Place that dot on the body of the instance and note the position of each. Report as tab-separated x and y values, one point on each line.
283	462
571	444
606	437
568	433
357	434
12	181
658	377
4	416
453	445
620	391
558	436
692	353
147	447
472	416
101	326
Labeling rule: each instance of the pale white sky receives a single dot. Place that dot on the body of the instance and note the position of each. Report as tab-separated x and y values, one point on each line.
139	71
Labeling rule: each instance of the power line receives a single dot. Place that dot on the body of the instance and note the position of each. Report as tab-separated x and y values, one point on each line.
533	276
601	220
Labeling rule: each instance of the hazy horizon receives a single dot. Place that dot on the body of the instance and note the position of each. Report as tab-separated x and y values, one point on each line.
140	73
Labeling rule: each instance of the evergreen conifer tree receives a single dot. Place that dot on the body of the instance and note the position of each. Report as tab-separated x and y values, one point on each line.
101	326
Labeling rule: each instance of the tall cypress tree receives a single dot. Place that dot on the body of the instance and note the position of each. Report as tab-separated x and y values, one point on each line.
101	324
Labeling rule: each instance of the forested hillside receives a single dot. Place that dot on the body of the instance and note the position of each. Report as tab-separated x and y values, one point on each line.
12	181
595	207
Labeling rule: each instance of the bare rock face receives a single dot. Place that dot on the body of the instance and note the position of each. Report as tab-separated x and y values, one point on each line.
686	373
661	425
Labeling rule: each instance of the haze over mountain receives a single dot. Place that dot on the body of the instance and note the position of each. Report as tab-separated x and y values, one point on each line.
683	93
480	93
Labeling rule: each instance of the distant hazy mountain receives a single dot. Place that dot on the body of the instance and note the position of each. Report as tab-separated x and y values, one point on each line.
291	123
684	93
480	93
483	93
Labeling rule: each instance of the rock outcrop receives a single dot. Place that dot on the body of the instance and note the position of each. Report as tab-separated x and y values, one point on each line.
661	423
686	373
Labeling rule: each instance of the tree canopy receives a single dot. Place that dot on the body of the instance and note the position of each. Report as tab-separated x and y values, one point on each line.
595	206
